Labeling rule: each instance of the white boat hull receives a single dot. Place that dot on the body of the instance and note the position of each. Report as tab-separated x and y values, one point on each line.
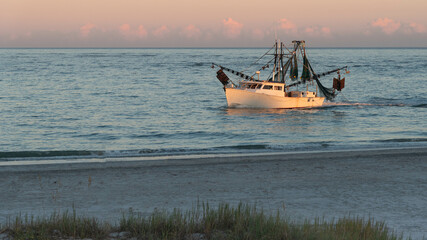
246	99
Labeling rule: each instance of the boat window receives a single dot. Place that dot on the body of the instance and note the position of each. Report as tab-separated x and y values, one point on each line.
278	88
253	86
268	87
259	86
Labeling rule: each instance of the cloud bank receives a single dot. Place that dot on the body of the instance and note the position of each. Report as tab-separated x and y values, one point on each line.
232	29
85	29
387	25
228	32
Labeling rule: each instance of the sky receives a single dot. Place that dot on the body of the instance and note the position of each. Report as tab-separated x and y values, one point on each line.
218	23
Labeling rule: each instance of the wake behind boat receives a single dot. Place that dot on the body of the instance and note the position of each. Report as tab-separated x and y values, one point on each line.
281	88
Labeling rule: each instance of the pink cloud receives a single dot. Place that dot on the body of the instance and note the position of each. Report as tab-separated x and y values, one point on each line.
310	30
257	34
86	29
191	32
326	30
142	32
130	34
287	25
418	28
387	25
161	31
318	31
125	29
232	28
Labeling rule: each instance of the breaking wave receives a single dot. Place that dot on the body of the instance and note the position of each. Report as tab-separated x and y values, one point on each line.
86	154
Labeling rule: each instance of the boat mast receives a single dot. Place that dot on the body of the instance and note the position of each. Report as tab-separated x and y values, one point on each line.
282	75
286	65
294	66
275	61
306	74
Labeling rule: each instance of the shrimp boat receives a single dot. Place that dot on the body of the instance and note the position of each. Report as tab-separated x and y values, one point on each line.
282	88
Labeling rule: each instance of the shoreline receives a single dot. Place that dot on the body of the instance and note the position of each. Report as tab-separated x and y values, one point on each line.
191	159
385	184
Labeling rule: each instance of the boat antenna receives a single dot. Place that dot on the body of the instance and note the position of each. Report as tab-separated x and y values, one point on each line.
275	33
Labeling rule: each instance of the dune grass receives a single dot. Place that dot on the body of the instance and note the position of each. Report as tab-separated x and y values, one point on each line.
55	226
243	221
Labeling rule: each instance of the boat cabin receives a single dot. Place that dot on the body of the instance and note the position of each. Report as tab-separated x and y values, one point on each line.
301	94
272	88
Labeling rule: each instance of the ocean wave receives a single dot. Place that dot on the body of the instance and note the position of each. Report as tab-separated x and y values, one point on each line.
401	140
48	154
423	105
247	147
113	55
335	104
76	154
411	102
80	154
198	64
376	101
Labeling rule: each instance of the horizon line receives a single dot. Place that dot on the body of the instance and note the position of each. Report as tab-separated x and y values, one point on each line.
329	47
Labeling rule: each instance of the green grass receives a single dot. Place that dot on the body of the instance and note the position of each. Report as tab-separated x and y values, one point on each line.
223	222
66	224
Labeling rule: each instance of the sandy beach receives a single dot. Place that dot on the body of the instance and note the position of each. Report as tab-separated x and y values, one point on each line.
387	184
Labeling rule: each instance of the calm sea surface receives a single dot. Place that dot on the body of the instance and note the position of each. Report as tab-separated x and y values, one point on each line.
136	102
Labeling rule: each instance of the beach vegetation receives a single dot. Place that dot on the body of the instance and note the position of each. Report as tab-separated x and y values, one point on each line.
242	221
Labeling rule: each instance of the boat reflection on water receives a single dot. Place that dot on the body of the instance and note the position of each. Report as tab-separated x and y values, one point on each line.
267	111
293	125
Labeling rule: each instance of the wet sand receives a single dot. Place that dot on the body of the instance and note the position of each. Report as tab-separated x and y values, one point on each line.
387	184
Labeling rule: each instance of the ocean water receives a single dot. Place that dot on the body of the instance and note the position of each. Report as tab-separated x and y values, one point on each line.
75	103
